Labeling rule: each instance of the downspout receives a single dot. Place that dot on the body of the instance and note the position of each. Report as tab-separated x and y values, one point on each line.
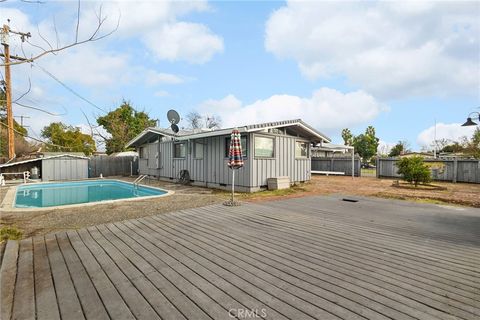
353	162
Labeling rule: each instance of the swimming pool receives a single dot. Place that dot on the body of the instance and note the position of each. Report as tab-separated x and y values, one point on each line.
44	195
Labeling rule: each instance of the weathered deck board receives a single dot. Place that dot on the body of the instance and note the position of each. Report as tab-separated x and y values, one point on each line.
399	287
8	276
24	303
45	296
259	248
88	296
307	258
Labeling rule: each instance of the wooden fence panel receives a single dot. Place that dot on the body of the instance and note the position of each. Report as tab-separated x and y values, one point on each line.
454	170
112	166
336	164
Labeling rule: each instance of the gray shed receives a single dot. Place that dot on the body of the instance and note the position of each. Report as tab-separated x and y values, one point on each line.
271	150
58	167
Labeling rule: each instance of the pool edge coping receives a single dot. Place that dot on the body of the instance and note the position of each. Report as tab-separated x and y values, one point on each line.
8	203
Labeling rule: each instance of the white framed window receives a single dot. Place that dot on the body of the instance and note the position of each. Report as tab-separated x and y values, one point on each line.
301	149
180	150
243	141
264	147
198	150
142	153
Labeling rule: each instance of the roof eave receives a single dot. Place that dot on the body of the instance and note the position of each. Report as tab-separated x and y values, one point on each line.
141	134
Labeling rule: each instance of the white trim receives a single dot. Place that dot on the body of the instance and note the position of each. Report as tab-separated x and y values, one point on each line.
147	130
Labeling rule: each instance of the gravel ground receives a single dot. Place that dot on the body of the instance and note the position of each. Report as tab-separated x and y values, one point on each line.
37	223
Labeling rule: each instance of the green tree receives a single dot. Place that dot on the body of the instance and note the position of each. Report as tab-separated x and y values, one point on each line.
414	170
473	146
366	144
123	124
347	137
400	148
67	138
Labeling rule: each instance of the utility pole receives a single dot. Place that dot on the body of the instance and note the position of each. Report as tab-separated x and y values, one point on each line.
21	120
5	35
8	92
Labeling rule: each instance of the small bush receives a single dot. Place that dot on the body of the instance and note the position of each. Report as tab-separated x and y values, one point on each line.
414	170
10	233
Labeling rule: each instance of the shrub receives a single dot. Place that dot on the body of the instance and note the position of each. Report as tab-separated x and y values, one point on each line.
10	233
414	170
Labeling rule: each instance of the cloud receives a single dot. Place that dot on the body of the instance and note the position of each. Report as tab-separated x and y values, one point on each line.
390	49
327	109
161	31
191	42
161	93
448	131
385	147
152	78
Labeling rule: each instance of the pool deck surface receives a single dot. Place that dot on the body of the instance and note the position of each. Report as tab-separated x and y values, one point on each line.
303	258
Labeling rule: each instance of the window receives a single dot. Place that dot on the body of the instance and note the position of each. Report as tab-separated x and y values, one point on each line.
243	141
301	149
142	153
264	147
180	150
198	150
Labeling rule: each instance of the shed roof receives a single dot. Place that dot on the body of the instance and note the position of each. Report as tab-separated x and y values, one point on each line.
10	164
300	126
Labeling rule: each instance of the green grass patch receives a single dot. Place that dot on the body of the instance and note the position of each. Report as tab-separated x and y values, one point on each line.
274	193
369	172
10	233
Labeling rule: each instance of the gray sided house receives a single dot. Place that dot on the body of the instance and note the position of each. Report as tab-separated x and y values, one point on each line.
271	150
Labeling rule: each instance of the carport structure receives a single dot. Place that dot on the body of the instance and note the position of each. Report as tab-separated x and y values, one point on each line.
372	259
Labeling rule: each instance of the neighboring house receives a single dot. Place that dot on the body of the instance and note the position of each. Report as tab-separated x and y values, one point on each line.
416	154
270	150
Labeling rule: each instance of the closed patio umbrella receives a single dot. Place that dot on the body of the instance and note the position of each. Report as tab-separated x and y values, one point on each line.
235	160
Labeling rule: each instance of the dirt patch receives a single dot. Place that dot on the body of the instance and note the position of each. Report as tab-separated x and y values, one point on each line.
452	193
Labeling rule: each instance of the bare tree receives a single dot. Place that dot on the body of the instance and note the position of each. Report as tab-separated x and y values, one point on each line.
194	120
49	48
213	122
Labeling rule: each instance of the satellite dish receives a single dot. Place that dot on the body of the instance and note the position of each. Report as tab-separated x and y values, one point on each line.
174	128
173	117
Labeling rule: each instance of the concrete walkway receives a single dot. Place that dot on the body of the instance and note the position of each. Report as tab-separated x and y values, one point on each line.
305	258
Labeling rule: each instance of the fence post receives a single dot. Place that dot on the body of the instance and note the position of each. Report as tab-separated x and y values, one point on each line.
455	169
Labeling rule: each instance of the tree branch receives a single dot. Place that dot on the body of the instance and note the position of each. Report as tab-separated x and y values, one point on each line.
93	37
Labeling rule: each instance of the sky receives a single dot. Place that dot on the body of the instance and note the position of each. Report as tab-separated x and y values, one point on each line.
399	66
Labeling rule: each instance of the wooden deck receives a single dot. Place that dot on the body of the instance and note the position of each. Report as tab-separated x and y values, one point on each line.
305	258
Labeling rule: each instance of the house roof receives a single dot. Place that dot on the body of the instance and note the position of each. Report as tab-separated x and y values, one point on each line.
333	147
10	164
300	127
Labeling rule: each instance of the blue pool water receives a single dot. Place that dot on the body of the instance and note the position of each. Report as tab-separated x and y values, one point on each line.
64	193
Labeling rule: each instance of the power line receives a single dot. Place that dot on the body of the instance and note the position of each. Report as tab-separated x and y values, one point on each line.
68	88
35	139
